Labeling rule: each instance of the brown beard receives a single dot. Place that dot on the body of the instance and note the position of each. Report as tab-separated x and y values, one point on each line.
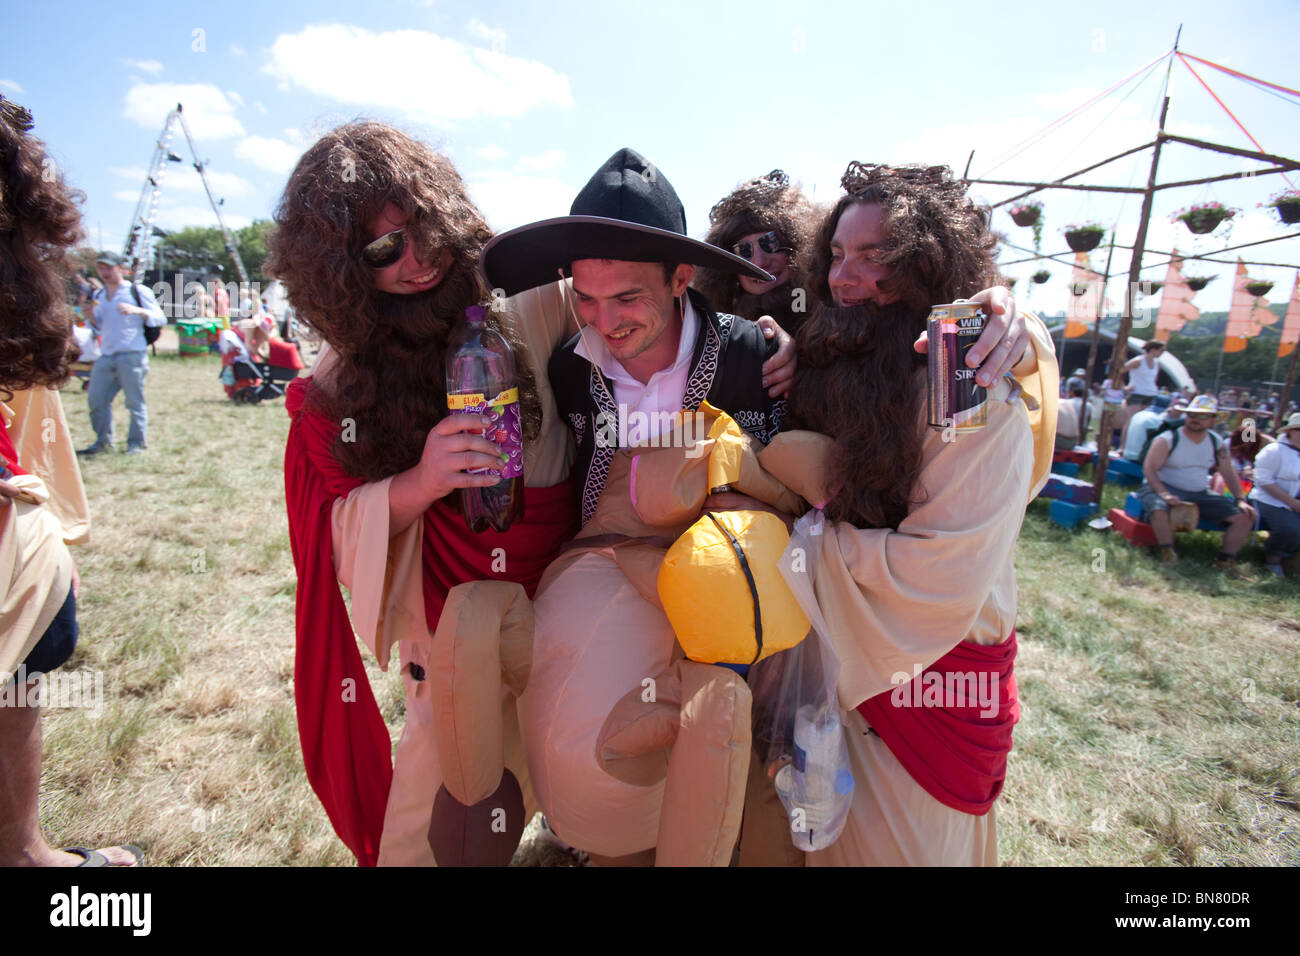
394	388
857	381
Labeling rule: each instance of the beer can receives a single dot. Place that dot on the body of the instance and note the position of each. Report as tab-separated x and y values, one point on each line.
955	400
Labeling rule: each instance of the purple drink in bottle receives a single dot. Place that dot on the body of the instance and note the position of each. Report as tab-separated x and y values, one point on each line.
481	381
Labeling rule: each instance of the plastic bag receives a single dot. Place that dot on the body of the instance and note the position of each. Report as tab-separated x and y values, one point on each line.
798	730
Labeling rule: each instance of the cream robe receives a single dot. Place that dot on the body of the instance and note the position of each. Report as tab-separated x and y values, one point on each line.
895	599
389	608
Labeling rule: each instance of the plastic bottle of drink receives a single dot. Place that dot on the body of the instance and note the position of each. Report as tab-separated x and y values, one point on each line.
481	381
817	787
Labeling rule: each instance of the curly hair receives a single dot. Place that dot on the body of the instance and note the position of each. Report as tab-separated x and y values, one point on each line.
937	241
858	377
768	203
39	222
390	379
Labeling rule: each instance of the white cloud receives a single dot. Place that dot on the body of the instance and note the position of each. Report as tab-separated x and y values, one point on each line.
11	85
144	66
550	159
509	199
208	112
235	98
494	38
126	195
260	106
183	177
491	152
178	217
427	78
264	152
237	50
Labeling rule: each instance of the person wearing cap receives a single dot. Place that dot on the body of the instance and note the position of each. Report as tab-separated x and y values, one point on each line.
1177	469
768	221
1144	422
1277	494
1077	377
648	346
119	316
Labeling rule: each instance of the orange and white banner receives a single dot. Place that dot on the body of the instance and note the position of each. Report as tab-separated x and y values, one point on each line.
1176	308
1291	327
1248	313
1082	306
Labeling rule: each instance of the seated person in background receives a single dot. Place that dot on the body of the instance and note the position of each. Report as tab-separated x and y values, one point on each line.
1176	471
1144	424
1068	432
1277	494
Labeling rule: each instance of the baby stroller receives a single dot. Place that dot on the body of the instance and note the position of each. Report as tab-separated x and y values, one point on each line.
249	381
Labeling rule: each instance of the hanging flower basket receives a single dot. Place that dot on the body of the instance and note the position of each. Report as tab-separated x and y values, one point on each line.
1078	288
1287	204
1205	217
1197	283
1259	287
1026	214
1041	276
1084	238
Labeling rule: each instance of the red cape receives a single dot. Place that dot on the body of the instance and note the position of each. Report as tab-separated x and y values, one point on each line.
958	755
345	743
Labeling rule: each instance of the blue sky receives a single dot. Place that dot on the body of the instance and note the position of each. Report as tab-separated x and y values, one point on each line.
528	99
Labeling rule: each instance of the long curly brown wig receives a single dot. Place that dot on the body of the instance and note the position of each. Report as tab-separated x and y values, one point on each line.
768	203
939	243
390	378
858	378
39	222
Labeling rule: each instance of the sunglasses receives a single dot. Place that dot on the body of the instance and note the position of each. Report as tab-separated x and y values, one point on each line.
384	251
768	242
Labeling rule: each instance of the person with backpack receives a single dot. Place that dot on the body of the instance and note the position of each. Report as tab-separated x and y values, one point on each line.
1277	494
1177	469
122	314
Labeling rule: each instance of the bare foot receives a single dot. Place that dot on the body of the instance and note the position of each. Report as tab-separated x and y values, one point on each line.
114	855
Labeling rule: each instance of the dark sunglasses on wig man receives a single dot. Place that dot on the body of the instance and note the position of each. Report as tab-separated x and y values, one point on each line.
768	242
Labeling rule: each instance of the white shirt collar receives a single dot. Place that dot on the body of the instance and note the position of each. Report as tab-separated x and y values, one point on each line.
598	353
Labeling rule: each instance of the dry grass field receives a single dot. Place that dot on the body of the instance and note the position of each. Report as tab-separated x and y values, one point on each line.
1160	707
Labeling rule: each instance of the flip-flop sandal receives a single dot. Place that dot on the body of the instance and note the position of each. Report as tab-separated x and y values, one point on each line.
95	858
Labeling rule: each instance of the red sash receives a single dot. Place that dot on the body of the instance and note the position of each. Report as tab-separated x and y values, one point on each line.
958	755
345	743
7	452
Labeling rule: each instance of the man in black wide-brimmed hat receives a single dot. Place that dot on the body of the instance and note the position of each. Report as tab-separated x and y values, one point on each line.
647	346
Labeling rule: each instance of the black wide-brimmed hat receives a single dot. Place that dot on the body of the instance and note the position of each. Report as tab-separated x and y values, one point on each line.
628	211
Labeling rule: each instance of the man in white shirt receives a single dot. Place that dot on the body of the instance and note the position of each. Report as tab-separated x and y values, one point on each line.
1277	493
120	318
1177	469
